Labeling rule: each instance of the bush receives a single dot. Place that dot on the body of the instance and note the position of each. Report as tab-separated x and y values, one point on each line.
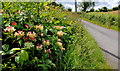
33	38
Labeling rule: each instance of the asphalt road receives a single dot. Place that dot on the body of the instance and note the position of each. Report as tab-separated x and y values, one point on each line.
107	40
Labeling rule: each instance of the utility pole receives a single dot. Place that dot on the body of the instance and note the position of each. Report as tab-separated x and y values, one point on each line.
76	6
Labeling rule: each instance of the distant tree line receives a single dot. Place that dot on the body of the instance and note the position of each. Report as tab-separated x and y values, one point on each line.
105	9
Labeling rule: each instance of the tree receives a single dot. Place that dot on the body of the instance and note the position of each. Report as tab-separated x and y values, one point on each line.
105	9
119	7
92	10
69	9
86	5
115	8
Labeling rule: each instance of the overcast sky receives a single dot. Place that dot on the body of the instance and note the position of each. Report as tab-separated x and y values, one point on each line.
99	3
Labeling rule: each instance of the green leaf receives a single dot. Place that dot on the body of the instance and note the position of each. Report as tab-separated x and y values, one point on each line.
20	42
5	47
24	55
53	64
15	49
2	52
43	66
57	22
17	59
48	61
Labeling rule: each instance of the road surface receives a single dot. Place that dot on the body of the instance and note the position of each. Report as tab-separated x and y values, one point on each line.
107	40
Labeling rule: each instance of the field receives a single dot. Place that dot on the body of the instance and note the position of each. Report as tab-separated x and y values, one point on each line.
38	36
113	12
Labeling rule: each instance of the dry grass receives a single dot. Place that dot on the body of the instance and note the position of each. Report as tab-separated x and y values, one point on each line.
113	12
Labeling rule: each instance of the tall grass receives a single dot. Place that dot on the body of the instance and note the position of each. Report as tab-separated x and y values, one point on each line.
107	20
84	52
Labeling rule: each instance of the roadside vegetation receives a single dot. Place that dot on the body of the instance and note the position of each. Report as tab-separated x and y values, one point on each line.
86	54
107	20
104	17
39	36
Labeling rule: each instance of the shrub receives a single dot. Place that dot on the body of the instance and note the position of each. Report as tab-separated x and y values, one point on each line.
33	39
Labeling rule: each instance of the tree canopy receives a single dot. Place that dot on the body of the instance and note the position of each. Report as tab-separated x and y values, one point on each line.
86	5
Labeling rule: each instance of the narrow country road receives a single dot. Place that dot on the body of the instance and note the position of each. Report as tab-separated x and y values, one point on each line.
107	41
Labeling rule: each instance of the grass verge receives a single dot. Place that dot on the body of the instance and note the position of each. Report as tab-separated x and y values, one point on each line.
84	53
115	28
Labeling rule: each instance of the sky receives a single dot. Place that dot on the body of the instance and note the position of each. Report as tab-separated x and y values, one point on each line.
99	3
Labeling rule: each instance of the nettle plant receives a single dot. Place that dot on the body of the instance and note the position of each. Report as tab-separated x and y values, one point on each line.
33	37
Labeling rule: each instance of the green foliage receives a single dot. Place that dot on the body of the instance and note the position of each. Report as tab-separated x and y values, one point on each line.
92	10
81	54
103	9
108	20
5	47
86	5
38	36
69	9
115	8
30	35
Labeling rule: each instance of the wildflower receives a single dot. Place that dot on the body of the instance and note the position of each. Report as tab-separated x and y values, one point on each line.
50	21
14	23
19	33
10	29
32	35
41	34
58	27
25	38
59	39
18	11
32	38
32	16
60	33
39	47
62	48
26	25
52	18
39	27
46	42
1	11
59	43
47	51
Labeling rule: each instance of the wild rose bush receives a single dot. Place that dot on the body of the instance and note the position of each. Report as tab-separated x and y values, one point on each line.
33	37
